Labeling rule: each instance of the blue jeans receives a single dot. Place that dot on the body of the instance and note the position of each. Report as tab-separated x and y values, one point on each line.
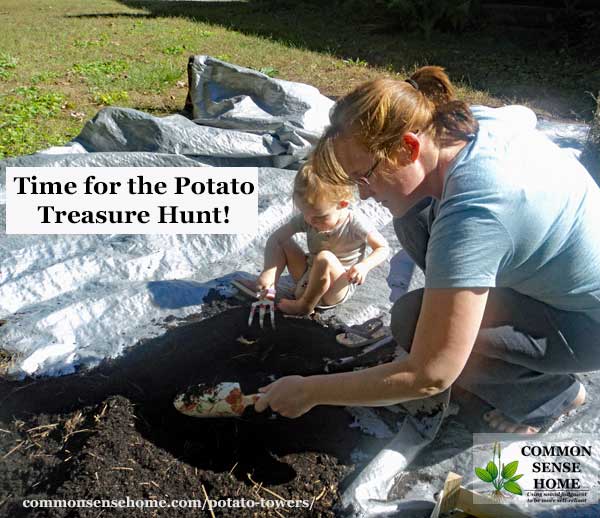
526	351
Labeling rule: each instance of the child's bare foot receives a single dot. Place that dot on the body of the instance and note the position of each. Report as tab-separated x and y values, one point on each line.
499	422
293	307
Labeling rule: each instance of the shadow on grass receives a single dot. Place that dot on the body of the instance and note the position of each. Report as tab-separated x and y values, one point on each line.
514	66
113	15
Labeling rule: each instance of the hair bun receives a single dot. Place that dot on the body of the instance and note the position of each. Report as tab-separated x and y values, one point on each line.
434	83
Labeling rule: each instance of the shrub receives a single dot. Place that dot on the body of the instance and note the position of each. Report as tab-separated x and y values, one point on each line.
577	30
590	157
426	16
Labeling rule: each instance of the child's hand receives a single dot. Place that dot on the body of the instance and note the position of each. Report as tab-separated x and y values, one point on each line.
264	283
357	274
267	293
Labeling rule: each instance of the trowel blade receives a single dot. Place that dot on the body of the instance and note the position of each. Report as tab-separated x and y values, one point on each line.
223	400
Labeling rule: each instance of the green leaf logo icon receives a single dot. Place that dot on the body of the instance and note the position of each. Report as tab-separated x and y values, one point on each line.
510	469
513	487
483	475
504	479
492	469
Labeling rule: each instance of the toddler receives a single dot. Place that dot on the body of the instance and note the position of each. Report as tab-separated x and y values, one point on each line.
337	239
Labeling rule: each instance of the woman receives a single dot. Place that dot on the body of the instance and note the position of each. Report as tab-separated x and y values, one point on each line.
507	229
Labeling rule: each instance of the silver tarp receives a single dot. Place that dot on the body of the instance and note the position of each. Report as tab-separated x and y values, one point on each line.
70	301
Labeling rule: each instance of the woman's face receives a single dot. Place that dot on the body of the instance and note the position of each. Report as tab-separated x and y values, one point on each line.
397	184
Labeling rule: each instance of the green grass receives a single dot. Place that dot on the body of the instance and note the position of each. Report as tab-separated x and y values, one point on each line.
356	62
7	62
102	40
101	74
100	68
269	71
111	98
154	77
22	116
43	77
110	52
174	50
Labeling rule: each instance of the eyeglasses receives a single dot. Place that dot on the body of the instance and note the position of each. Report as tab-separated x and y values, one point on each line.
364	179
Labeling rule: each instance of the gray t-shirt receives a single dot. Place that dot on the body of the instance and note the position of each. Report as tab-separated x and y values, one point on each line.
519	212
347	241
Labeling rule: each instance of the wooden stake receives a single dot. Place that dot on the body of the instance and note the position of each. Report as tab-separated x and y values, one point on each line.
483	506
451	491
454	496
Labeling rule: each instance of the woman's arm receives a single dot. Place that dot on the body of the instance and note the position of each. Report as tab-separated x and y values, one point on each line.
448	325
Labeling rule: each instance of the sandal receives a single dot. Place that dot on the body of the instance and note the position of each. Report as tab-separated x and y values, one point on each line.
366	328
363	334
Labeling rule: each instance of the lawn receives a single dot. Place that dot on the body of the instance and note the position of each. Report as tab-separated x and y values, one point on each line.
63	60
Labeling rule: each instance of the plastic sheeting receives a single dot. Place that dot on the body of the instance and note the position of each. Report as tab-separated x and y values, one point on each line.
292	114
71	301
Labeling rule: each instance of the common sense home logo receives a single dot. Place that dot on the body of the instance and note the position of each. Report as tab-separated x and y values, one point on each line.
502	477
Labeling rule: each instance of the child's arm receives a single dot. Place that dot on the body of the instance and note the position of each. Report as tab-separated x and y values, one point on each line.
275	260
381	250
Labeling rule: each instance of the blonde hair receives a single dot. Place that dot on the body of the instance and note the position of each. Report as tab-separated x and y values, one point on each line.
311	189
379	112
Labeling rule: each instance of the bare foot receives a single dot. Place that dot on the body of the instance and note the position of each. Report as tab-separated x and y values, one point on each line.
500	423
292	307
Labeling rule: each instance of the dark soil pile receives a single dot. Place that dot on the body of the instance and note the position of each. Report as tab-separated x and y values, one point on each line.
112	433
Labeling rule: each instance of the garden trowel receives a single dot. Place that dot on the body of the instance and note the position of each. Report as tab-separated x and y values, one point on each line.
223	400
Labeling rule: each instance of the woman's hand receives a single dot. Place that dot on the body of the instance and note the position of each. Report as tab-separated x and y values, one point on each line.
358	273
289	396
